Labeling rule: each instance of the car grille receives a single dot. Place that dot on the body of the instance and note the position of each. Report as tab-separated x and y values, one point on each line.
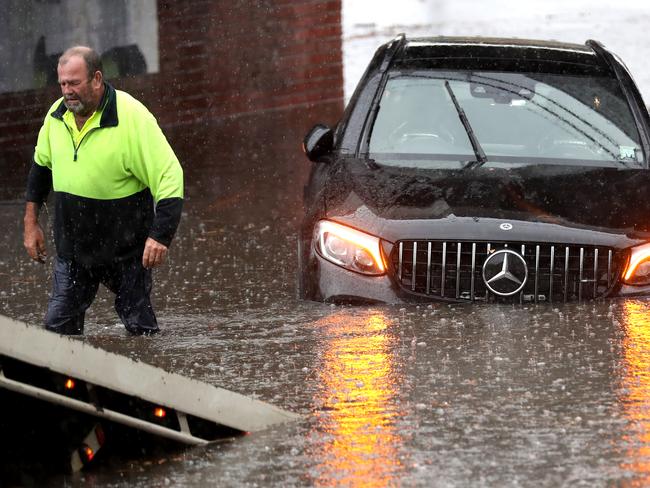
556	272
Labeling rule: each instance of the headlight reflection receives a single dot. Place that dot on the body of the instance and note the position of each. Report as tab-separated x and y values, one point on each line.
361	444
636	386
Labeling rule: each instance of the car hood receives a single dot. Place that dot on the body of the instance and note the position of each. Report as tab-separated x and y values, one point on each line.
548	203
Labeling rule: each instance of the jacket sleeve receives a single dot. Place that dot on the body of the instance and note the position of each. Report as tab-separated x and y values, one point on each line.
39	179
166	219
156	165
39	183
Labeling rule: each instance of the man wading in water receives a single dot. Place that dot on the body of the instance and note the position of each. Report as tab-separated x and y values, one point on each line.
118	195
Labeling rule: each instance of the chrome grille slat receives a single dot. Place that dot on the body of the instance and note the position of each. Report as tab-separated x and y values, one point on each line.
471	292
458	251
581	276
550	275
414	268
428	268
566	272
595	272
444	269
609	268
521	293
400	269
536	273
423	267
488	249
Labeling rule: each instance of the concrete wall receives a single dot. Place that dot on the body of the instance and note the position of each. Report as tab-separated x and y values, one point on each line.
223	66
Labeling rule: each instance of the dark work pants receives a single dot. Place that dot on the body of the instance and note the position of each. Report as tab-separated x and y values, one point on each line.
74	288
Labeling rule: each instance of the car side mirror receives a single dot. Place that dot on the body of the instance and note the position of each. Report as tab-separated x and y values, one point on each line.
318	142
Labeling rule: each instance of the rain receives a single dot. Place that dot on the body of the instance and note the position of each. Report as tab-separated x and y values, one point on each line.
390	395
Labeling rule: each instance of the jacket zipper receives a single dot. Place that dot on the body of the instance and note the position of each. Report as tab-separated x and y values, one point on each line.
76	148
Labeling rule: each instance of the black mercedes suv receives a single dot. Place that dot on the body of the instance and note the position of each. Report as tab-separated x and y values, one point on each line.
477	169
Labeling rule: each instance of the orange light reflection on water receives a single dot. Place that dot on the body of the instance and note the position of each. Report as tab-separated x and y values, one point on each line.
361	443
636	387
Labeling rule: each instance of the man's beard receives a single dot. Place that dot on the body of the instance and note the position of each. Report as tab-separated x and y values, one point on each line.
79	108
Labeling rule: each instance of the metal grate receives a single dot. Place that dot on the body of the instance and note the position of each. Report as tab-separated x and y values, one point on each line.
556	272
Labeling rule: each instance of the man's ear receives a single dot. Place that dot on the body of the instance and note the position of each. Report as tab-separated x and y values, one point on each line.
98	79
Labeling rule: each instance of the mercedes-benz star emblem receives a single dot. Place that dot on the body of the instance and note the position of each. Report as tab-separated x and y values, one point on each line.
505	272
506	226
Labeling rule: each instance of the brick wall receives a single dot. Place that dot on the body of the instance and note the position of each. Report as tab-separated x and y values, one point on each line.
220	61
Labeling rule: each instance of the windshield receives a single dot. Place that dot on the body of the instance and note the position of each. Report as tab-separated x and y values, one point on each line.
516	119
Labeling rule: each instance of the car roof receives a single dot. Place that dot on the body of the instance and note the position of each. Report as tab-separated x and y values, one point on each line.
500	53
497	41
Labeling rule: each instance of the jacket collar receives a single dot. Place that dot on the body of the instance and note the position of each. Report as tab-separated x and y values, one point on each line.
109	113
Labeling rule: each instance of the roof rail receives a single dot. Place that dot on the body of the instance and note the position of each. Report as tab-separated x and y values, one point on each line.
391	49
601	52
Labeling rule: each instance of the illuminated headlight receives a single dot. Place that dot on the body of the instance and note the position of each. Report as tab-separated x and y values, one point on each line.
349	248
638	267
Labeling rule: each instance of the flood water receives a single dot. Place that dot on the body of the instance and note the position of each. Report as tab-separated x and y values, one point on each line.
432	395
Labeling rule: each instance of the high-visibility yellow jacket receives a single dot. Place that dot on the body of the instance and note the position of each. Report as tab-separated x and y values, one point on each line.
116	182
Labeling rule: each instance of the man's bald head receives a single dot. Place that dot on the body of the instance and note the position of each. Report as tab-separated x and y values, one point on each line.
89	55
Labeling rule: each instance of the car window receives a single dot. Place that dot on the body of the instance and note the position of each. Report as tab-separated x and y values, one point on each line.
517	118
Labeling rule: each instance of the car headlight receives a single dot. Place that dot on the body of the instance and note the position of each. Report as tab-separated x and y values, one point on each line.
638	267
349	248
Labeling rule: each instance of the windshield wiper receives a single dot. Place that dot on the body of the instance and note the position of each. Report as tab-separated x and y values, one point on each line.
481	158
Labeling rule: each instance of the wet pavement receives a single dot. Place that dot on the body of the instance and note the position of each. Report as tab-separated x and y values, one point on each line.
390	395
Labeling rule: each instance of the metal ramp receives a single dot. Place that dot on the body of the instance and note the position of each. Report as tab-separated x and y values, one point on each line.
78	377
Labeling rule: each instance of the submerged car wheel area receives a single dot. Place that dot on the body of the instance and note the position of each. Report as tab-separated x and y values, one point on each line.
469	169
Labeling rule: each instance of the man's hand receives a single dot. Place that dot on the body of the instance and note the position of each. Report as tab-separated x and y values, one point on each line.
154	253
33	237
34	241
